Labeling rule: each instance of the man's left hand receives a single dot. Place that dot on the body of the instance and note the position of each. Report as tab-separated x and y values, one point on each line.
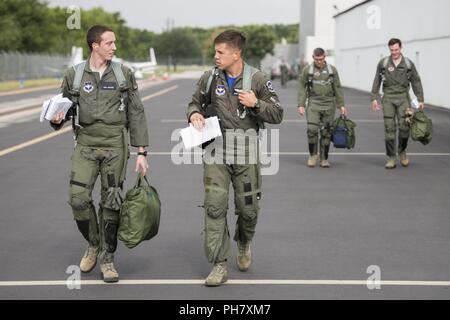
142	165
247	98
421	105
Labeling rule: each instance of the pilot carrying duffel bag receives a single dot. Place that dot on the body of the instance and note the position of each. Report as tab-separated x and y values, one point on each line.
140	213
343	133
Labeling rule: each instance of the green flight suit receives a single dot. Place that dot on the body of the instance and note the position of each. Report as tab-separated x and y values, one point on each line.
245	178
102	149
396	83
320	93
284	74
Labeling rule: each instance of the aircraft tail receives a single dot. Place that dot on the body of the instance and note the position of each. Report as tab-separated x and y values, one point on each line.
76	56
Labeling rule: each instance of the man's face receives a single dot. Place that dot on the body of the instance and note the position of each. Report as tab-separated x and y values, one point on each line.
225	56
319	61
396	51
107	46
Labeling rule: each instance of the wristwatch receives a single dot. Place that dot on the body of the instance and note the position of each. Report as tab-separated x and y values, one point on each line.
144	153
256	106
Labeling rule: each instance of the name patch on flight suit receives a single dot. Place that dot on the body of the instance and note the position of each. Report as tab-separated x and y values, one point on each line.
108	86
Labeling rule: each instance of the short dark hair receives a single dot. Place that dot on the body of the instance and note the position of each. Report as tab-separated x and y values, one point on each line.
395	41
95	33
232	38
318	52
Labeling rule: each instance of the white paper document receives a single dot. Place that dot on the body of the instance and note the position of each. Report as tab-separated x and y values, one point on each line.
193	137
53	106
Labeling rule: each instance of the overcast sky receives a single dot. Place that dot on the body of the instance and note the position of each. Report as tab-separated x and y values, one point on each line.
152	15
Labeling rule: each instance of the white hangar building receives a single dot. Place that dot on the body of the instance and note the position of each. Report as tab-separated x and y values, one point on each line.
363	31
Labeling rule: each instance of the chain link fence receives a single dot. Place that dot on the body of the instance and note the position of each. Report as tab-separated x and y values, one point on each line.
23	66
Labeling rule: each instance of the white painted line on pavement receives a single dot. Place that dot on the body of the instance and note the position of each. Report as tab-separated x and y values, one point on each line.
284	121
229	282
173	121
159	93
307	154
359	154
354	120
28	90
34	141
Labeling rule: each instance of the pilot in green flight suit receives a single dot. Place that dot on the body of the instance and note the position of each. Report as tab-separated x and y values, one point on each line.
110	115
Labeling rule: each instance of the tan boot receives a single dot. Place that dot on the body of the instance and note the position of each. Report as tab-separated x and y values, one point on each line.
391	163
404	160
109	273
89	259
312	161
218	275
244	256
325	164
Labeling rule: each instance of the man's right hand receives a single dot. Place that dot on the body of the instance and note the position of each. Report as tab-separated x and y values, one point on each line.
198	121
301	111
58	118
375	105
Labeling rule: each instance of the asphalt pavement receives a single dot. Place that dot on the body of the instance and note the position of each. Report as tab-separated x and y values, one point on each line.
322	233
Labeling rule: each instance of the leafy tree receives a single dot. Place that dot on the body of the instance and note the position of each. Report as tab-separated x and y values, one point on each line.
32	26
177	44
289	32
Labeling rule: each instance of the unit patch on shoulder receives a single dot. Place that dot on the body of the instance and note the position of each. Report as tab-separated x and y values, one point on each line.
269	86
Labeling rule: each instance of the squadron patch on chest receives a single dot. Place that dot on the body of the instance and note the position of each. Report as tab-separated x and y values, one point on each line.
391	69
88	87
220	90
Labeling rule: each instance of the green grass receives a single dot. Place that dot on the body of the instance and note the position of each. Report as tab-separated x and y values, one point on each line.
15	85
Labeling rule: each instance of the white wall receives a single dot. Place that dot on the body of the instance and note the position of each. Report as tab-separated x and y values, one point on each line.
424	29
325	11
317	25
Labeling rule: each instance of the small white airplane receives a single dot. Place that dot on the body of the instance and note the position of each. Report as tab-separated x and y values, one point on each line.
140	67
137	67
76	57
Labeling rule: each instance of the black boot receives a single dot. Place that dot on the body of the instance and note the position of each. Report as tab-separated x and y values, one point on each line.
111	229
326	150
390	148
402	145
312	149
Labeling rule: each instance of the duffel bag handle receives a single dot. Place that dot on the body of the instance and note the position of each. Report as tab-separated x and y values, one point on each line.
140	180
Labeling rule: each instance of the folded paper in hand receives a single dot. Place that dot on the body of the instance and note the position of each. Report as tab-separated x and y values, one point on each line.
53	106
193	137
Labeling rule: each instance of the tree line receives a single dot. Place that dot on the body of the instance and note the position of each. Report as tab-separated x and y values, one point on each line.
33	26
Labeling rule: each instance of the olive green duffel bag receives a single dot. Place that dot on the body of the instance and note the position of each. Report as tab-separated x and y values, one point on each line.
140	214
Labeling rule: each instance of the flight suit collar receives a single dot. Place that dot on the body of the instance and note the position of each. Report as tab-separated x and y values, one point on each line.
223	75
87	68
402	61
